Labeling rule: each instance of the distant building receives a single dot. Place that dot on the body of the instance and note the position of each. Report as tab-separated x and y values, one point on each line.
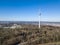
15	26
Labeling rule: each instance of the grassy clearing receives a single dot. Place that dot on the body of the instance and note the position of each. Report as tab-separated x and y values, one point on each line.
53	43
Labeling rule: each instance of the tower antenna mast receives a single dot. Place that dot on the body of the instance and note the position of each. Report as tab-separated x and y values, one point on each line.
39	20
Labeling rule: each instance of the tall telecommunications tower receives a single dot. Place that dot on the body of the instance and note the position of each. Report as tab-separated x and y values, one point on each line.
39	20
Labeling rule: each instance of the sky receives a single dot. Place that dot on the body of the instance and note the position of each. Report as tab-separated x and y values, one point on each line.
29	10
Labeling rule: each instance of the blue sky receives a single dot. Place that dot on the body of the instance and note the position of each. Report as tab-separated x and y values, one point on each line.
28	10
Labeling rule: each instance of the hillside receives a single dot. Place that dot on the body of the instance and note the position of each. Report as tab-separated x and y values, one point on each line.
30	35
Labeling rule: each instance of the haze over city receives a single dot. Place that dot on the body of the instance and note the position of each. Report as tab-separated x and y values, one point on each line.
28	10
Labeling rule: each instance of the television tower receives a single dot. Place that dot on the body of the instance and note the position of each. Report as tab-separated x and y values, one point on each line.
39	20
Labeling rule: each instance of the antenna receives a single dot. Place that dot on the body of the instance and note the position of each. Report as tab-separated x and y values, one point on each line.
39	20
